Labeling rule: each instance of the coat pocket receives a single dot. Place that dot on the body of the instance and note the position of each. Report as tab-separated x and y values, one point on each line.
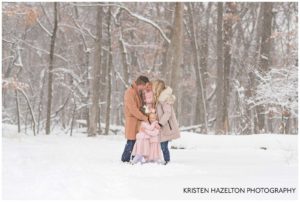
169	125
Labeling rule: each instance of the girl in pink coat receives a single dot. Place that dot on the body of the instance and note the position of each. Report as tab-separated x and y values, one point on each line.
147	145
148	97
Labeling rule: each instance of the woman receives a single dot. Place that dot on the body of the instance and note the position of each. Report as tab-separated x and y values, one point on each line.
164	101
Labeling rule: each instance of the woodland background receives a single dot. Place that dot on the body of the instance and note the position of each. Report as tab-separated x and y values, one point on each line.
233	66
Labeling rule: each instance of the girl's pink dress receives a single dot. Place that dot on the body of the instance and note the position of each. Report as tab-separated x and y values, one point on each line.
147	143
155	149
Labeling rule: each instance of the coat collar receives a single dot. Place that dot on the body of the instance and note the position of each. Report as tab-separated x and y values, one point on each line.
167	96
134	87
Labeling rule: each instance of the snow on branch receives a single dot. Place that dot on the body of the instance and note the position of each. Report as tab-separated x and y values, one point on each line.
44	51
44	28
18	61
13	84
121	78
277	88
67	71
137	16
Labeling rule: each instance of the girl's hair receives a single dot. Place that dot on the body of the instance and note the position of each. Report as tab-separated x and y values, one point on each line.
151	113
149	116
157	86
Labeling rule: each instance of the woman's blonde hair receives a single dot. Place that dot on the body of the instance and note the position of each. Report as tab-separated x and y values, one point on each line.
157	86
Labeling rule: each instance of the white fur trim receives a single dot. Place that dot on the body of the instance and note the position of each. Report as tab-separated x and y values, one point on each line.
166	96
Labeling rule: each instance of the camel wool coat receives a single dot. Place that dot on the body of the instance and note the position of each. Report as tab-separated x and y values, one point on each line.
133	115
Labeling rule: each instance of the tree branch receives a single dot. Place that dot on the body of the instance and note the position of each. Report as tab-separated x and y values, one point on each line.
141	18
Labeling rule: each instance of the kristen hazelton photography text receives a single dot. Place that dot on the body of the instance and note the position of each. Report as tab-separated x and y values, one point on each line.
239	190
149	100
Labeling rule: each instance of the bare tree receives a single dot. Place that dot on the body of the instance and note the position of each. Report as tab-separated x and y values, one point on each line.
174	65
227	30
109	73
200	112
50	73
264	60
94	109
220	74
213	69
266	36
18	111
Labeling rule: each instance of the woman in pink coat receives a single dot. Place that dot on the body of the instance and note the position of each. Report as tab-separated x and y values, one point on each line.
147	145
164	101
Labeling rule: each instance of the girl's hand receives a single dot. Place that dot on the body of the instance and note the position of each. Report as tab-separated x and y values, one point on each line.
158	127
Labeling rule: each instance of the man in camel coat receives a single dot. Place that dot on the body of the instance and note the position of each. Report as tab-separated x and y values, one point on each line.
133	115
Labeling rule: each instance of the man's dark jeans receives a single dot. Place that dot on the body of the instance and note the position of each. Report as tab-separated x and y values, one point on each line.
165	150
127	151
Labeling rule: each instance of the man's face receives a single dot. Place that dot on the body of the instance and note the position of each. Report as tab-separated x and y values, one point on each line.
141	87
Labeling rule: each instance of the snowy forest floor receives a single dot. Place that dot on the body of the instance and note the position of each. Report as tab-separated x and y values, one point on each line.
62	167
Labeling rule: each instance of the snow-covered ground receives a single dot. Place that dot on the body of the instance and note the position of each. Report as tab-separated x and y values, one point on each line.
62	167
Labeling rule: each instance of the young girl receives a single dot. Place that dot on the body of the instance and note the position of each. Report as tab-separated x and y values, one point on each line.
148	97
147	146
154	141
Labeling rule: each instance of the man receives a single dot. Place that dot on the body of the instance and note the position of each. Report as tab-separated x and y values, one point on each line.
133	115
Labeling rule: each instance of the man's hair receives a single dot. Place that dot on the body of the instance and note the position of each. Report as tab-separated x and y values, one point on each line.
142	80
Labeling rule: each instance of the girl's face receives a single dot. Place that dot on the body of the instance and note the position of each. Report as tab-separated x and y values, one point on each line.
149	86
152	117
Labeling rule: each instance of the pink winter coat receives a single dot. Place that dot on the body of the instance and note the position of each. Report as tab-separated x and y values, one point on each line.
166	116
148	97
151	131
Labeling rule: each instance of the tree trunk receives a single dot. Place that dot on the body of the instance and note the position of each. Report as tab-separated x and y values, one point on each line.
124	60
200	112
167	50
18	110
253	113
30	110
177	41
220	73
264	59
73	116
204	47
94	109
228	22
266	36
88	97
109	71
50	74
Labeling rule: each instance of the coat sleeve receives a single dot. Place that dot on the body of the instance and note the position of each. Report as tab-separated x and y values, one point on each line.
167	111
131	105
154	132
149	126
